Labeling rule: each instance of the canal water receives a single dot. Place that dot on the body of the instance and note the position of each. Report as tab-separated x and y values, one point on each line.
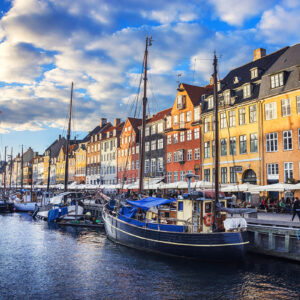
42	262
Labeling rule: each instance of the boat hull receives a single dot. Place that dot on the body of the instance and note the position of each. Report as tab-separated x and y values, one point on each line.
219	246
6	207
29	206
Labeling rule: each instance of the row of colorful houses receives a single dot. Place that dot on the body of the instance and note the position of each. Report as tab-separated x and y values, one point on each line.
259	140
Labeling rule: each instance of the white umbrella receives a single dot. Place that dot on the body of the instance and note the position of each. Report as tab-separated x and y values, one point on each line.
245	187
277	187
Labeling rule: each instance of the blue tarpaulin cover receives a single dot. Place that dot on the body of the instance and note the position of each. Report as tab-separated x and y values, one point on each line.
149	202
128	212
53	214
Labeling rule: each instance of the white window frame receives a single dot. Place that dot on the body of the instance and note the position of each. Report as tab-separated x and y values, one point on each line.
298	104
287	137
247	91
197	154
232	122
252	114
153	145
206	149
169	157
223	121
285	107
196	133
276	80
189	135
196	113
189	116
288	169
182	136
189	155
272	142
169	139
242	116
270	111
206	124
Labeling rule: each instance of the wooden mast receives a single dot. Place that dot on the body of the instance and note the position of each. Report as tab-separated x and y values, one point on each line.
11	165
142	156
22	161
213	223
68	140
4	184
49	170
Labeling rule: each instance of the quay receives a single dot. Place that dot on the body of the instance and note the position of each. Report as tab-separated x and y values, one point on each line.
274	234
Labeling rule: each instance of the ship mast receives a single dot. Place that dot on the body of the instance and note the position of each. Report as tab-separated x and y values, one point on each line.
5	170
68	140
213	223
142	157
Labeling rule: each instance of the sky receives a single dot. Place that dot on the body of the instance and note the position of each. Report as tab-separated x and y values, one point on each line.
99	45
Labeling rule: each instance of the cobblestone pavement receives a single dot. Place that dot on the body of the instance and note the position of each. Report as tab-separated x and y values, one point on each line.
277	217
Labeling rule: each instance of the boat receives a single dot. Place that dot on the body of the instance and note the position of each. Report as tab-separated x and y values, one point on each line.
193	226
6	206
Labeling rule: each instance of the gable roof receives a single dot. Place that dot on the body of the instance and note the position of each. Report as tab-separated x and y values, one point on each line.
135	123
160	115
195	92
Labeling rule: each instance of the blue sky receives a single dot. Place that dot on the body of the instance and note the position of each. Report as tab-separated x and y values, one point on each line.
99	44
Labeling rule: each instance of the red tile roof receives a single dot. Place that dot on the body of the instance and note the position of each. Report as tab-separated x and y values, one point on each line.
135	123
160	115
195	92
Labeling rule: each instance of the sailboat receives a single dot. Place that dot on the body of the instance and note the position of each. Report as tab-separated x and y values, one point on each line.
61	206
199	227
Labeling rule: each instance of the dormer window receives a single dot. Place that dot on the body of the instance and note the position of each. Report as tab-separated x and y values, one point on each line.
247	91
276	80
227	97
254	73
236	79
210	101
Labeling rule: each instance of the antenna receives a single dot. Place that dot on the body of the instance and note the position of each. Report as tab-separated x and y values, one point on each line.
194	69
178	77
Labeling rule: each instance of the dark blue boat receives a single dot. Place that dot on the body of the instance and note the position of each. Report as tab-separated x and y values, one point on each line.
191	241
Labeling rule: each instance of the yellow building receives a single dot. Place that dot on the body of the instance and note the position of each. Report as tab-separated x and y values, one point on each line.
240	130
80	163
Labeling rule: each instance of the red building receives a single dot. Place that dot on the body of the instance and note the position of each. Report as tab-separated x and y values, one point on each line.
183	144
128	152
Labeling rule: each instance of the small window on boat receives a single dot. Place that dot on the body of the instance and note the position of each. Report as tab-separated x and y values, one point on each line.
222	203
207	207
180	206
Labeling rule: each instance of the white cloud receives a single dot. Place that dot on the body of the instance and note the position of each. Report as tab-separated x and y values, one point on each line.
236	12
280	25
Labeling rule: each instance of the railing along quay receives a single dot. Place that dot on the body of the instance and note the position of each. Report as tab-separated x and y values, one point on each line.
274	238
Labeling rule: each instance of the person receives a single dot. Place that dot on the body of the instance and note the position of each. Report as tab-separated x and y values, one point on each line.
281	205
233	200
296	208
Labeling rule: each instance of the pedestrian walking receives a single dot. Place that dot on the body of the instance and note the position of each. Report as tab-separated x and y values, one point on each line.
296	208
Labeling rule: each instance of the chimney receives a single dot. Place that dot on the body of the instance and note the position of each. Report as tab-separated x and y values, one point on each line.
259	53
211	80
117	121
103	121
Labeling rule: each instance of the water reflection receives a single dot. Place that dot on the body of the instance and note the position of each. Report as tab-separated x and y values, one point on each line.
43	261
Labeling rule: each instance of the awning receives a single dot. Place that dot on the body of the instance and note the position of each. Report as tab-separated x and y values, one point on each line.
149	202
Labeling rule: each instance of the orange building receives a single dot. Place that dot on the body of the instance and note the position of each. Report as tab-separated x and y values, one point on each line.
183	144
128	152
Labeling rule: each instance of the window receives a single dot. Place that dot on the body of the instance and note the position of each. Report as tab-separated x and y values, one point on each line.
137	164
232	145
137	149
233	175
169	157
285	107
273	171
182	173
223	175
160	128
169	120
288	171
232	118
189	135
298	104
181	119
175	120
160	164
270	111
276	80
175	176
196	114
247	91
147	146
206	125
175	156
272	142
210	102
223	147
180	155
287	140
132	168
223	120
147	166
197	154
227	97
132	150
169	177
242	116
153	145
206	149
243	144
252	113
175	138
169	139
182	136
254	73
180	205
153	165
253	142
299	138
153	129
190	154
180	101
160	144
189	116
207	175
147	131
196	133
